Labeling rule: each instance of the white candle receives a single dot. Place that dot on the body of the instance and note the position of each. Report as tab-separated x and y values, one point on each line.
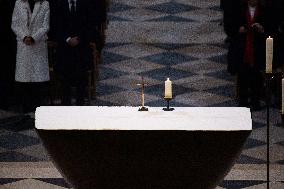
269	54
168	89
282	109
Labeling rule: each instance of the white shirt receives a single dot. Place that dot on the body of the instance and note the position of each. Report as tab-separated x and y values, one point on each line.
252	11
70	4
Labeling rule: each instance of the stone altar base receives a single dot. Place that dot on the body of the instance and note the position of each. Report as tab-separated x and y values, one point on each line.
113	159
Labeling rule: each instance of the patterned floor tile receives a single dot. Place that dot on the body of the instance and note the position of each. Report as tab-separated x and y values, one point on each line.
139	15
36	151
10	156
107	89
108	73
276	153
244	159
219	58
134	66
169	58
171	7
170	46
240	184
257	125
119	7
127	98
117	19
170	18
109	58
164	73
55	181
200	4
252	143
31	183
140	4
136	50
202	15
209	83
199	66
200	99
8	180
129	82
15	141
202	51
110	45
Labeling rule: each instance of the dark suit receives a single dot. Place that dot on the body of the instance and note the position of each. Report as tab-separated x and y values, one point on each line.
8	56
249	75
231	9
73	62
231	21
99	19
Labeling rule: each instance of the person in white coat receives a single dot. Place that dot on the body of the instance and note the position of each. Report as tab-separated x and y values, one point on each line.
30	23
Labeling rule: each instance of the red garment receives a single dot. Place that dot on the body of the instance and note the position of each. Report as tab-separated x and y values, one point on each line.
249	44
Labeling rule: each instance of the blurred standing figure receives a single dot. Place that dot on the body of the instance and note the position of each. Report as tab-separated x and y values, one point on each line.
74	32
231	23
30	23
99	19
7	53
252	53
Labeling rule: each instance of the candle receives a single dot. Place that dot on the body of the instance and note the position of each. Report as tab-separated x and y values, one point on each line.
282	109
168	89
269	54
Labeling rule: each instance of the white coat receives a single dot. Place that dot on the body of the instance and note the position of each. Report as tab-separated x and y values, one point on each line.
32	61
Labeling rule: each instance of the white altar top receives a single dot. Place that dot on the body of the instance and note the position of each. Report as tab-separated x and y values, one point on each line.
129	118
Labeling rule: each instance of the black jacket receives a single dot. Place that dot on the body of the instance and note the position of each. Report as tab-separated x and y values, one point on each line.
73	60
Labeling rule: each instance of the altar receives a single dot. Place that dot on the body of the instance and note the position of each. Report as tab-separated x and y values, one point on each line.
120	147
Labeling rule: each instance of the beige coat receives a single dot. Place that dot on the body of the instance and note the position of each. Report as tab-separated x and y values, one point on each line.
32	61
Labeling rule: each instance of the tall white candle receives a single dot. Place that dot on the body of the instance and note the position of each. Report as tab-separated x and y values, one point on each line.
282	109
269	54
168	88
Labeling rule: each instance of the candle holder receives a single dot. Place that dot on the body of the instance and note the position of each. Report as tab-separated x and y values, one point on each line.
269	77
168	104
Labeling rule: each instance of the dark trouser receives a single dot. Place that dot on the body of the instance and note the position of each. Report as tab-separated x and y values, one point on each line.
250	85
6	92
7	73
79	82
32	95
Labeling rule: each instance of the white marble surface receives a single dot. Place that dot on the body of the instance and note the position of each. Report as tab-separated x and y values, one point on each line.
129	118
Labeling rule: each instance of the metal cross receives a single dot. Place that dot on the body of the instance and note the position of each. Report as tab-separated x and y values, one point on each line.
143	89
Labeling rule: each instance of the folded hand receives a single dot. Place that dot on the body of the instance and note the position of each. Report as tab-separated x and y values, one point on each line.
74	41
28	40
